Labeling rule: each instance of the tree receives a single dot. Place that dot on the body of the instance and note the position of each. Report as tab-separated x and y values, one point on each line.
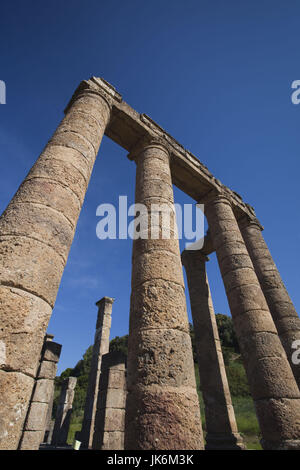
226	332
119	344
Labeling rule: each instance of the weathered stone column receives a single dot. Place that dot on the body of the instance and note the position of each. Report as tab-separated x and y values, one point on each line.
272	384
64	412
49	337
101	346
49	421
110	417
36	232
221	428
35	422
280	305
49	432
162	410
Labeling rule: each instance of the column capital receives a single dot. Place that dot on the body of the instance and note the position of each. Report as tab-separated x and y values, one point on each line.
148	141
96	86
190	257
69	382
247	221
216	195
105	300
51	351
48	337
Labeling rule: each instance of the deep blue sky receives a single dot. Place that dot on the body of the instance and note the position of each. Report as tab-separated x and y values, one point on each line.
216	75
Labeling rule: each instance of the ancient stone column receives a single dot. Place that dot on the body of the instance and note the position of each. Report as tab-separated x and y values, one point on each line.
162	410
280	305
35	422
272	384
110	417
64	412
49	337
221	428
101	346
49	435
49	421
36	232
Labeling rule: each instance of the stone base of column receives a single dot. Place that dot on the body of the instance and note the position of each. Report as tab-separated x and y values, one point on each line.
224	442
293	444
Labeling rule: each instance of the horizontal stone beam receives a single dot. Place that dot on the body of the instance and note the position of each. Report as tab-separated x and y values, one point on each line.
127	128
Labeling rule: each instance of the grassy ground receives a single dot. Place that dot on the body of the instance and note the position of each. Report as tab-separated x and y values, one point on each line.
247	422
76	422
245	417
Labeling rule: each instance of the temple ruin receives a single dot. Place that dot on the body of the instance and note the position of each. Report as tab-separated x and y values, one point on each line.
162	407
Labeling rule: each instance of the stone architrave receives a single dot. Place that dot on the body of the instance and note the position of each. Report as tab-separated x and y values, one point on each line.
36	232
42	398
64	412
110	416
279	302
221	427
101	346
271	380
162	410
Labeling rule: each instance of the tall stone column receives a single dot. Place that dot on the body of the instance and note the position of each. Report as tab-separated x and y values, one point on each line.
162	410
36	232
64	412
110	416
49	337
101	346
280	305
49	423
221	428
35	423
272	384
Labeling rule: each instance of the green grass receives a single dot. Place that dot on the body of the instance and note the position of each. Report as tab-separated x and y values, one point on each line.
73	429
75	425
245	417
247	422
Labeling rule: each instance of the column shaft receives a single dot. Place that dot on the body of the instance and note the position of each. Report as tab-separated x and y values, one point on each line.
35	423
272	384
101	346
110	416
221	428
280	305
162	410
36	232
64	412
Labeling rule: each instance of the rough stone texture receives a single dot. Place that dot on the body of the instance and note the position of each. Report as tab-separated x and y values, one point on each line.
64	411
30	438
36	232
49	423
101	346
21	338
280	305
164	419
161	381
49	430
222	432
269	374
110	414
13	410
42	398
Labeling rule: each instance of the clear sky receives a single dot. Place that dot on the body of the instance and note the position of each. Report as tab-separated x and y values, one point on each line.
215	74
